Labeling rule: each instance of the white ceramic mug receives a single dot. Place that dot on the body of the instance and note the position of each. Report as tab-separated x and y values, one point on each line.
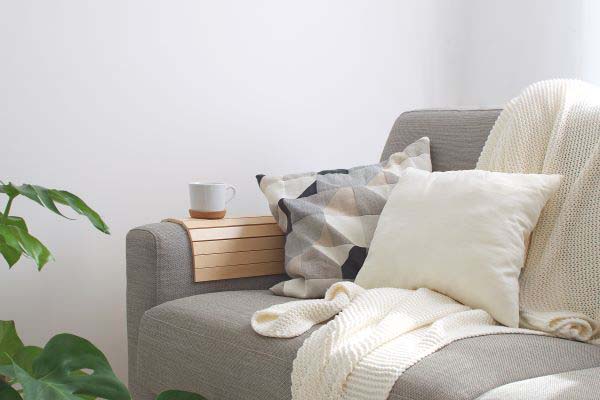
210	197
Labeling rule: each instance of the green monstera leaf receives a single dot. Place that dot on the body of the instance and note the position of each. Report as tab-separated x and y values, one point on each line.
25	357
49	197
10	343
10	248
59	372
13	349
8	393
15	239
67	368
11	252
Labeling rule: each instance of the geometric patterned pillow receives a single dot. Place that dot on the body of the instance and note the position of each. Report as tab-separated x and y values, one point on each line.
293	186
329	217
330	233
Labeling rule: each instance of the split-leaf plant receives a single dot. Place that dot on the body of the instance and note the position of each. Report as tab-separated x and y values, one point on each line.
68	367
15	239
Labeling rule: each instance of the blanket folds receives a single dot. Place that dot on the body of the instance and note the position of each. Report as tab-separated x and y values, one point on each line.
553	127
292	319
376	335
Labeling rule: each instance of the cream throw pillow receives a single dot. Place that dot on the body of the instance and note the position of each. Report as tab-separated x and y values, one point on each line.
460	233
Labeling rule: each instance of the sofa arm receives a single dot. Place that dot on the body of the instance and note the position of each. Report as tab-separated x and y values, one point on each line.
160	268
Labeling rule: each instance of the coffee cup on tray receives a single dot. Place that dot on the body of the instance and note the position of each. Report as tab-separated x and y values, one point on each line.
208	199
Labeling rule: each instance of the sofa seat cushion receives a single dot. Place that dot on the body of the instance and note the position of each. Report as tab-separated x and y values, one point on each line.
468	368
582	384
205	344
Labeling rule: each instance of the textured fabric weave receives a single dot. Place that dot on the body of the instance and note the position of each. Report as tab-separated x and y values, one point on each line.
468	368
292	319
581	385
553	127
330	217
159	269
205	344
196	344
456	136
331	233
293	186
460	233
376	336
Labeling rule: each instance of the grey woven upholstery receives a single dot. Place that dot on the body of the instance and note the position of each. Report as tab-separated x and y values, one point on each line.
457	136
579	384
205	344
467	368
159	269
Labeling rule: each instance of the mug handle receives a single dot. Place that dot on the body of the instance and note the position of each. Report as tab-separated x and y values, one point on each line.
233	192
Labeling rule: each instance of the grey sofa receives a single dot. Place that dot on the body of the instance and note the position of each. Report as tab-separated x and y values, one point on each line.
197	336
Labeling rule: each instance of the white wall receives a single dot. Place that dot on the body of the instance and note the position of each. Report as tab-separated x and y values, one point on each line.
124	102
509	44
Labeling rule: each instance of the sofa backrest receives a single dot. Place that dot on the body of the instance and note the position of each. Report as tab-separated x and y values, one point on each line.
457	136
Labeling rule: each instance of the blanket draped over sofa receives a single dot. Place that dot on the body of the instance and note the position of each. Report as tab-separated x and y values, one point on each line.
377	334
553	127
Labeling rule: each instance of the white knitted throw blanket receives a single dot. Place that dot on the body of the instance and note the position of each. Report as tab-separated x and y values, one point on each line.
553	127
376	335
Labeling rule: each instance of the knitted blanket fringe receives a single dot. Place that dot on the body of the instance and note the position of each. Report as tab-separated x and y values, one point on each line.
553	127
376	335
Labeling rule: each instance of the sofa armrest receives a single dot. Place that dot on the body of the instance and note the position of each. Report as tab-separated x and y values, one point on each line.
160	268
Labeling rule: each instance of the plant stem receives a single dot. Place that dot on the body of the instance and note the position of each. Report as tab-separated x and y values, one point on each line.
8	205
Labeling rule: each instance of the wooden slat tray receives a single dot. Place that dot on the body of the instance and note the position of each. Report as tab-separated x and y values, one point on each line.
238	271
192	223
234	247
238	258
234	232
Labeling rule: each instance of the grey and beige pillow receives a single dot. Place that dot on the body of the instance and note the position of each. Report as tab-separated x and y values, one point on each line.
329	218
293	186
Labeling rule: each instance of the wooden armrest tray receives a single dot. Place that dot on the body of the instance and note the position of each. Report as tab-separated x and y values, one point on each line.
234	247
